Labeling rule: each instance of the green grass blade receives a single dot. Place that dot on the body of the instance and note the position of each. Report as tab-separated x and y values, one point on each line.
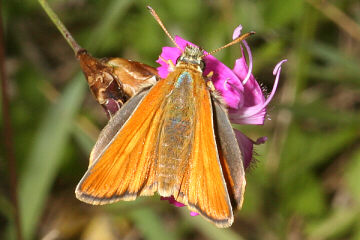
150	225
335	225
352	174
208	229
114	13
46	154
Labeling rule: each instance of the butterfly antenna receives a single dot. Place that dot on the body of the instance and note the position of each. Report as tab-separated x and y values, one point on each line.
239	39
157	18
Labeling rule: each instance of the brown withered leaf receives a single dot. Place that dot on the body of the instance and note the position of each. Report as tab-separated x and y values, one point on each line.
113	81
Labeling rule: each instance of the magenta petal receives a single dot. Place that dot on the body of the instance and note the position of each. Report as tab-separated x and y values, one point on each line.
261	140
252	91
225	81
250	62
163	71
182	42
243	73
237	32
168	53
193	214
256	114
172	201
246	146
253	94
248	115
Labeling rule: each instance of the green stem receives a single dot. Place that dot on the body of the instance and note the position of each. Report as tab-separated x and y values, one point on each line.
8	133
55	19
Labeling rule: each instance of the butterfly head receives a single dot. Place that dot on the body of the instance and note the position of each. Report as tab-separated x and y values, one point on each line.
192	55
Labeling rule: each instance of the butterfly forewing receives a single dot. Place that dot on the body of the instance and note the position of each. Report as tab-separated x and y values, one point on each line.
203	184
125	169
115	124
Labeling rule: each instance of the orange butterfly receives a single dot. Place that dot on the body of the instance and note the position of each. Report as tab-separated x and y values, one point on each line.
173	138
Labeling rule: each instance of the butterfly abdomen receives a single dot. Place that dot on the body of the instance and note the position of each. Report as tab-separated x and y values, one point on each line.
176	134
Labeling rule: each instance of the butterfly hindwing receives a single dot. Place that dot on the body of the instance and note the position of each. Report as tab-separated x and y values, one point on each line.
230	156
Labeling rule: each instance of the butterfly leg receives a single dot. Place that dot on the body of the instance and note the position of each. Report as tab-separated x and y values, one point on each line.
171	67
211	86
213	91
209	82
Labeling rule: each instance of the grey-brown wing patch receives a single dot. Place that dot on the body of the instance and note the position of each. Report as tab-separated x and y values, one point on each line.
230	155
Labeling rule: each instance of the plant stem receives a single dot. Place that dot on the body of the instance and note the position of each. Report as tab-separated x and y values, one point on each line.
338	17
60	26
8	134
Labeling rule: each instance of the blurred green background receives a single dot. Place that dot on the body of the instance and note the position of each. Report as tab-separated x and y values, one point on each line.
305	183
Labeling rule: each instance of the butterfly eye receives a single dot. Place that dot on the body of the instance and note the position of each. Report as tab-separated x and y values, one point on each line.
202	65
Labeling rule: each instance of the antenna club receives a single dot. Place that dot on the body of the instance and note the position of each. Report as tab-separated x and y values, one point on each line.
150	9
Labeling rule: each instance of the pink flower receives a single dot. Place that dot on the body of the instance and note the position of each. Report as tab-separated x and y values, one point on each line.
242	94
177	204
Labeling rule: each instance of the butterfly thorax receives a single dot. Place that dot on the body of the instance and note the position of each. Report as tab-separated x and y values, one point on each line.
192	55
